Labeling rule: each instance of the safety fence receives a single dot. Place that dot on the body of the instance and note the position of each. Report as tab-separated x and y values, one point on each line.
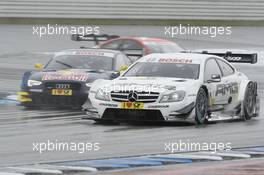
135	9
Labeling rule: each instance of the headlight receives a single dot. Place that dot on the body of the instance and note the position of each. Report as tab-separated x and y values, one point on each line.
31	83
88	85
173	97
102	95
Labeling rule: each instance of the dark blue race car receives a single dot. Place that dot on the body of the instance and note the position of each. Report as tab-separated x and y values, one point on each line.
66	79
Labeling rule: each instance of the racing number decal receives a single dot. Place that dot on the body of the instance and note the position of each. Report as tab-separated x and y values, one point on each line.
62	92
67	92
137	105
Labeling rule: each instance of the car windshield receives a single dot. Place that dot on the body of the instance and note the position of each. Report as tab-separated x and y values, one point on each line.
165	47
80	62
172	70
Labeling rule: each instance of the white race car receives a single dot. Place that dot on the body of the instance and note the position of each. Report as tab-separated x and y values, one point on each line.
176	87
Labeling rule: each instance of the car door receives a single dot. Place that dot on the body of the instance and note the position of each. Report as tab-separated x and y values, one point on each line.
229	84
212	68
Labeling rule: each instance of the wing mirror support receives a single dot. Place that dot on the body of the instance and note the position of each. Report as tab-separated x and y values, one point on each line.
123	68
214	78
38	66
115	75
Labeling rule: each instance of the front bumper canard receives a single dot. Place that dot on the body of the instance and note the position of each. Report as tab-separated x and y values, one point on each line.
23	97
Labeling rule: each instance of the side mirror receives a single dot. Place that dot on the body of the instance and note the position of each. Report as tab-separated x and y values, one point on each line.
123	68
115	75
38	66
215	78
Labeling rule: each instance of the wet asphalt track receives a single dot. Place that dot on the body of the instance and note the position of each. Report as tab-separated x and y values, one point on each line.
19	128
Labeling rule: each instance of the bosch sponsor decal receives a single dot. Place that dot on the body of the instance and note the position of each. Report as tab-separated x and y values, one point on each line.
57	76
174	60
170	60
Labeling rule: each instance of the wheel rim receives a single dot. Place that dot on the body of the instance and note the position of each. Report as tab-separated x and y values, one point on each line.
201	107
250	101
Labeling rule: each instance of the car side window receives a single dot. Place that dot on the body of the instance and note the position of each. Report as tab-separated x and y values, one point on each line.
131	45
120	61
226	69
116	44
211	67
127	60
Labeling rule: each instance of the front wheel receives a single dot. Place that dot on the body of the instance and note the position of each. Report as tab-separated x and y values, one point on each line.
201	107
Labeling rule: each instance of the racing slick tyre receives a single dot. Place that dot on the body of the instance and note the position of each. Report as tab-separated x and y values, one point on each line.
201	107
250	101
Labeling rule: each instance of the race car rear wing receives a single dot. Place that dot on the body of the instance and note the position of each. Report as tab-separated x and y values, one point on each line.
93	37
133	54
235	57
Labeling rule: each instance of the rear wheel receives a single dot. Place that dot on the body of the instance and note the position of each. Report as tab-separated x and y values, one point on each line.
250	101
201	107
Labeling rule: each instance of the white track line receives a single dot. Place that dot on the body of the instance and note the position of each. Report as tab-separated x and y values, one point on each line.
251	152
226	154
5	173
36	170
65	168
192	156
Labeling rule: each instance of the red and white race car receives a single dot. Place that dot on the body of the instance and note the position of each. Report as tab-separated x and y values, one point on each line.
139	45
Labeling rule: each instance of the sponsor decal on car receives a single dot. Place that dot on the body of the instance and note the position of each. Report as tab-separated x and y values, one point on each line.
58	76
132	105
223	89
159	106
170	60
108	105
35	90
94	53
174	60
234	58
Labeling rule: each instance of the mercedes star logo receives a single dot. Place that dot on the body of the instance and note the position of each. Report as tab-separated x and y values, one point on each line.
132	97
